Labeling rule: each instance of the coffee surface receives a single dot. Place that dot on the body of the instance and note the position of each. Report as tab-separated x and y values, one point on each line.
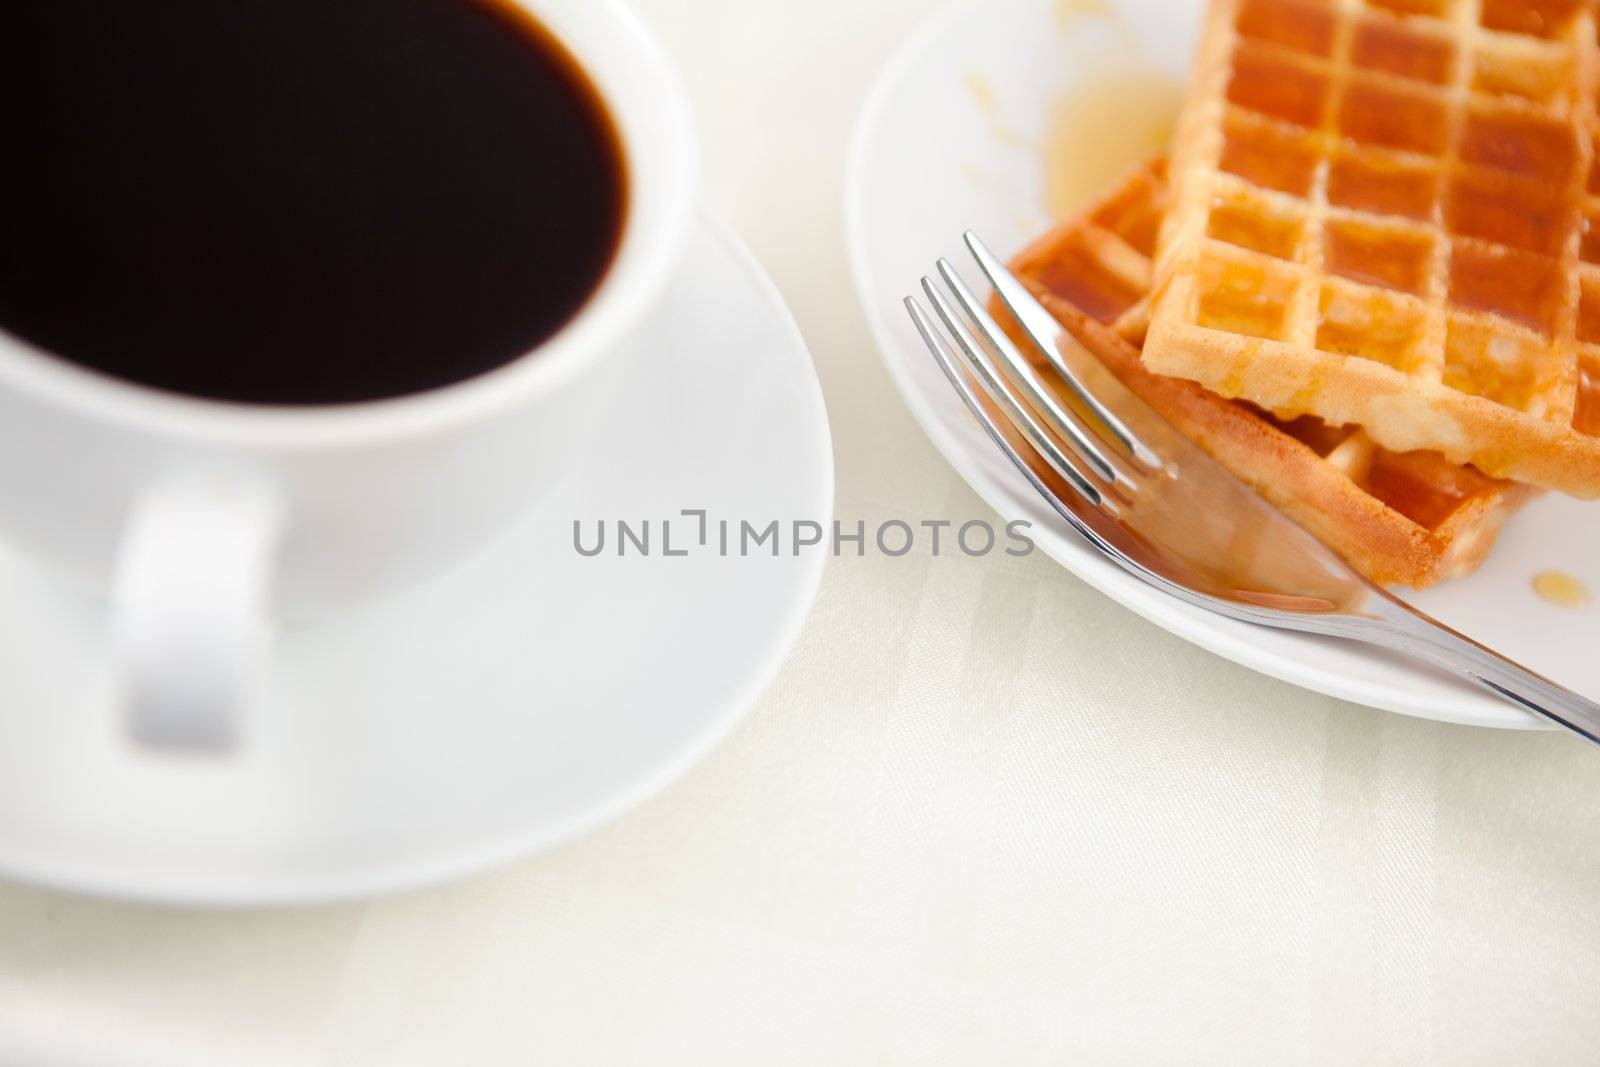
297	201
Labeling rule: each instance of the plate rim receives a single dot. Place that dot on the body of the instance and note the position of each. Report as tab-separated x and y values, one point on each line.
1446	701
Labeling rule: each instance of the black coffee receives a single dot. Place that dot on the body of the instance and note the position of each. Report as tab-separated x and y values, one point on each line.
297	201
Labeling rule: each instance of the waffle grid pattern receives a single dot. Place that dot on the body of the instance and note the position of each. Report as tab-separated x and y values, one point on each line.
1388	214
1410	518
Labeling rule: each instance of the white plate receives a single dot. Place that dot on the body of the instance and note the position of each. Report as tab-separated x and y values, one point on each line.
934	155
524	697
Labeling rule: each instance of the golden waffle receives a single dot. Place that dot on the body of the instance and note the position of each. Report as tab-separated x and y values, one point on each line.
1410	518
1381	217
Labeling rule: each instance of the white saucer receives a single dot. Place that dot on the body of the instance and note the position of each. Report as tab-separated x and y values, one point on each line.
526	696
949	140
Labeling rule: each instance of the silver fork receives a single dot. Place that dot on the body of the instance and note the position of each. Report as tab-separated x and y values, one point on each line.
1151	500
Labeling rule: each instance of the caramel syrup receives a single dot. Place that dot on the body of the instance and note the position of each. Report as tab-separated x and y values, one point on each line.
1561	589
1070	11
1101	129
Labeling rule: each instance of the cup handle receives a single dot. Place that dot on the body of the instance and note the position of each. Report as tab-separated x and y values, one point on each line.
190	611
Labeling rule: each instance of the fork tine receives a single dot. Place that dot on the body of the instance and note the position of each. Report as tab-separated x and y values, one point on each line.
946	358
1001	392
1043	329
1080	434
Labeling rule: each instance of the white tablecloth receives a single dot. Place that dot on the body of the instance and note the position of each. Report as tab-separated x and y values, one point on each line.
983	816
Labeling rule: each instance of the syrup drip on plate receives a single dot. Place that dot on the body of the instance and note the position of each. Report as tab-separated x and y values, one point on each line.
1102	128
1561	589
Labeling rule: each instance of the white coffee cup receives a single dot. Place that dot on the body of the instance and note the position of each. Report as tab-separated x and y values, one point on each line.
205	523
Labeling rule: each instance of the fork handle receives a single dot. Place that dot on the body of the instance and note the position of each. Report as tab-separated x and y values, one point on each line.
1409	631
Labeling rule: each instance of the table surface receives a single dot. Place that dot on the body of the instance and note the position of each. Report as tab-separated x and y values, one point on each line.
984	815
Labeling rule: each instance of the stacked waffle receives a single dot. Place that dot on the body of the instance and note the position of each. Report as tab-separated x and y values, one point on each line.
1366	282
